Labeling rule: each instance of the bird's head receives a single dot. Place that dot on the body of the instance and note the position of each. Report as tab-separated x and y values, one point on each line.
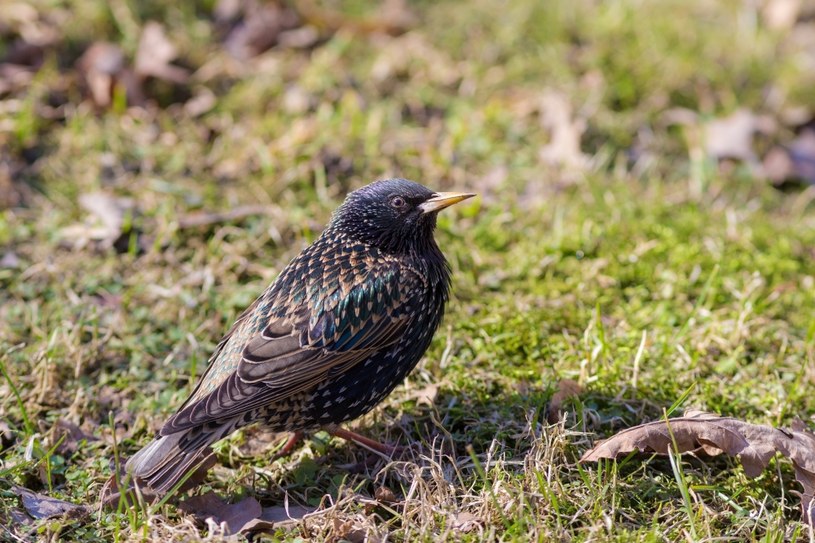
394	215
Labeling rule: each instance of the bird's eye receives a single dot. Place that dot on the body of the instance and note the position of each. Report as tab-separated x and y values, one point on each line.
397	202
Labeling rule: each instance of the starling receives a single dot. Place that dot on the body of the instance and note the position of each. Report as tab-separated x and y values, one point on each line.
339	328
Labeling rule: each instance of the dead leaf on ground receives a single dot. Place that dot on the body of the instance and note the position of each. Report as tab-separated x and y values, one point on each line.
40	506
71	435
565	132
244	517
251	27
155	54
104	68
566	390
465	521
105	224
697	432
732	136
425	395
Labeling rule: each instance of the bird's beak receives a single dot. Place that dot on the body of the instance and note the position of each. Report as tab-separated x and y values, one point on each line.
440	200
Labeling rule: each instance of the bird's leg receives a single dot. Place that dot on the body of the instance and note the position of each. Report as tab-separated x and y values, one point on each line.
292	442
366	442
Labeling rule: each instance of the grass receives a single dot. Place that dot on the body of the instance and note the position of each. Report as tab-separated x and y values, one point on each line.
650	276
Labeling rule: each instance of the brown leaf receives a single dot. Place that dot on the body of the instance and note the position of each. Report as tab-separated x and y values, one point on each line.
251	27
41	506
105	71
384	494
696	432
246	516
732	136
566	390
155	53
231	517
425	395
275	517
71	436
104	225
465	521
565	132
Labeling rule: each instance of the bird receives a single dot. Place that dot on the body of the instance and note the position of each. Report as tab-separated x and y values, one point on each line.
338	329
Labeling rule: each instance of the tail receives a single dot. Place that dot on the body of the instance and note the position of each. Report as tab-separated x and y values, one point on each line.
167	459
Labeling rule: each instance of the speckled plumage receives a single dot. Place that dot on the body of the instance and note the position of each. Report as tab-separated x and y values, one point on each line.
340	327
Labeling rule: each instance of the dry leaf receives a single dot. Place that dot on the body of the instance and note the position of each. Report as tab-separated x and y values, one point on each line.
465	521
566	390
230	517
565	131
40	506
425	395
104	224
155	53
384	494
732	136
251	27
246	516
71	436
754	445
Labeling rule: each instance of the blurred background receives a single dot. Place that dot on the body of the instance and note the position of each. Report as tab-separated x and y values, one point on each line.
644	230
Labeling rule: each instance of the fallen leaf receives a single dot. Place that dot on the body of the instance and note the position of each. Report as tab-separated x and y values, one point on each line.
40	506
754	445
732	136
230	517
465	521
104	68
276	517
251	27
566	390
425	395
565	132
155	54
384	494
71	435
105	223
246	516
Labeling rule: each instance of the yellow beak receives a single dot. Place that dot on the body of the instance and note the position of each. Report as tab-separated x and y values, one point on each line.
440	200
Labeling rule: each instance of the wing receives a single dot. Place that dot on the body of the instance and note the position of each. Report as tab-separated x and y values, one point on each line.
293	353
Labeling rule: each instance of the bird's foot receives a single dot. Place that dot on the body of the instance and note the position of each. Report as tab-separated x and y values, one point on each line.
371	444
291	443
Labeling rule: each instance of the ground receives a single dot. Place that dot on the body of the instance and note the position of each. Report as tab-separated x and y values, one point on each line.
614	246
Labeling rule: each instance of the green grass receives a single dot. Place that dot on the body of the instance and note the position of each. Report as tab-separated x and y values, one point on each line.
557	274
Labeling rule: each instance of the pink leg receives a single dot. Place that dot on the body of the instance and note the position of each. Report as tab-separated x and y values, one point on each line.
290	444
368	443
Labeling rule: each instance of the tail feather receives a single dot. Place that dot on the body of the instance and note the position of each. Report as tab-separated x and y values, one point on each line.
167	459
